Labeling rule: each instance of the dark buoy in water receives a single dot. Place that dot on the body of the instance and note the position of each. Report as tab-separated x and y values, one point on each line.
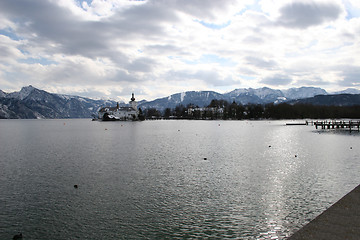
269	145
205	158
295	155
17	236
75	186
350	147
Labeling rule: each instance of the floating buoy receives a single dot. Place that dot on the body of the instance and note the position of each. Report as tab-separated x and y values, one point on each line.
269	145
295	155
75	186
350	147
105	129
17	236
205	158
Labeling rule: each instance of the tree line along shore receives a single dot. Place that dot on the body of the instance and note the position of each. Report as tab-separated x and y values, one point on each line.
221	109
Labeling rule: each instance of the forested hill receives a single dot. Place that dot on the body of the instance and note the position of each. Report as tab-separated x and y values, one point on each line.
331	100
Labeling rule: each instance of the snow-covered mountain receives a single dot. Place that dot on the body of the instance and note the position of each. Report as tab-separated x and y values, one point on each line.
31	102
257	96
303	92
24	92
241	96
348	91
2	94
200	98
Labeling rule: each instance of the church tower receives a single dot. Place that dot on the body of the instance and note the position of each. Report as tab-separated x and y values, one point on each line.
133	103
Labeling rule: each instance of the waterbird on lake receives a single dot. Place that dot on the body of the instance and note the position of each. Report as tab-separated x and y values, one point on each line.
17	236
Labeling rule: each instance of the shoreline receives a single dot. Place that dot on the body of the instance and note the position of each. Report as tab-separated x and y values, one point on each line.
340	221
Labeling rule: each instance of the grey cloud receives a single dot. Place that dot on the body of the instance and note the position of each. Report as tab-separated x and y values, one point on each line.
53	24
253	40
126	91
123	76
246	71
8	52
313	82
142	21
350	75
211	76
89	94
203	9
304	15
164	49
277	80
141	65
261	62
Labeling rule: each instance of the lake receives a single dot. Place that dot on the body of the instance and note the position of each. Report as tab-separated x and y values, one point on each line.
170	179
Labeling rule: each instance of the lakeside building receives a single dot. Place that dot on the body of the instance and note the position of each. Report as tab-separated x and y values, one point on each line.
120	113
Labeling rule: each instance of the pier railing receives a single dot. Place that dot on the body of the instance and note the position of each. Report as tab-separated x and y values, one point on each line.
351	125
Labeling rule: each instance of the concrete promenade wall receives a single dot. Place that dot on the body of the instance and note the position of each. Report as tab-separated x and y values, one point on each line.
340	221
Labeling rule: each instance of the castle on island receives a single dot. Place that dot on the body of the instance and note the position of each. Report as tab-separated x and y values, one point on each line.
120	113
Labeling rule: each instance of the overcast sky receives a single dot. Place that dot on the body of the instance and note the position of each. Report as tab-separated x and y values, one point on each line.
111	48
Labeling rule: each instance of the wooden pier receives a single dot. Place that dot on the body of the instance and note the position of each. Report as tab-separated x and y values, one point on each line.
351	125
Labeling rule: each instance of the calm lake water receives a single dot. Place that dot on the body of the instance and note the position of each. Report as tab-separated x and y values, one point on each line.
149	180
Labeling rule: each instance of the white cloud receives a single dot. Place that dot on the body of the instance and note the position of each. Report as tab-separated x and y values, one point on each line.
9	50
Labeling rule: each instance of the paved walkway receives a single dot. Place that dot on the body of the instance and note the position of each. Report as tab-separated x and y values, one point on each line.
340	221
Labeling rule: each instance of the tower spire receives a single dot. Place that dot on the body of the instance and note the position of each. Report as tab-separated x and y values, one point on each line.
133	103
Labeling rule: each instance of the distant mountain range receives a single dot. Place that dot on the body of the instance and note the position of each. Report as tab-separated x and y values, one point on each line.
31	102
242	96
